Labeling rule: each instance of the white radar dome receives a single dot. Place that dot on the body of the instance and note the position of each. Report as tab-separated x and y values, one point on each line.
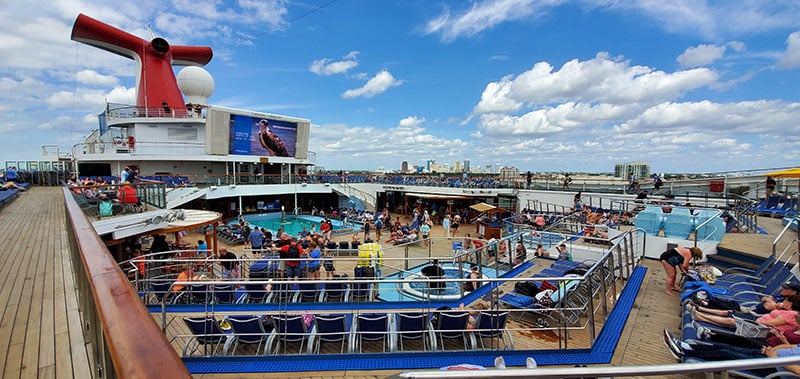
196	84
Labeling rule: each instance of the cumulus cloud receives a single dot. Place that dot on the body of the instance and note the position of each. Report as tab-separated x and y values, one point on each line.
701	55
791	57
380	83
484	15
327	66
603	79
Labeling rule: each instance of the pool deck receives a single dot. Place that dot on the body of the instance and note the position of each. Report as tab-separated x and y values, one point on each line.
41	334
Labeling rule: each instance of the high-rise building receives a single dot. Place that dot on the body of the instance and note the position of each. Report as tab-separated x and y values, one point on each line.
429	163
404	167
638	169
466	165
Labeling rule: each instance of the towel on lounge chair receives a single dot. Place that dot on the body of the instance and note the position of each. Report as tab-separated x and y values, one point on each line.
690	288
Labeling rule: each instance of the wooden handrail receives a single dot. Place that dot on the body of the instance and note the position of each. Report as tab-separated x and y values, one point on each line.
132	337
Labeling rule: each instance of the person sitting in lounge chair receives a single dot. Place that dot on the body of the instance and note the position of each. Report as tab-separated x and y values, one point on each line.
10	185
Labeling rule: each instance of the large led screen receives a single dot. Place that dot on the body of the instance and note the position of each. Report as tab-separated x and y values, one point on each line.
262	136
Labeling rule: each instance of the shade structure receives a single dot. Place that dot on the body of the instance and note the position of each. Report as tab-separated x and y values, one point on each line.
789	173
482	207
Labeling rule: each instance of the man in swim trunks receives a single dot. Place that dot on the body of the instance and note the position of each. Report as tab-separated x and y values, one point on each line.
679	257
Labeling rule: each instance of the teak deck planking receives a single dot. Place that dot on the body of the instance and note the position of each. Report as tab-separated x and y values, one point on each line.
40	328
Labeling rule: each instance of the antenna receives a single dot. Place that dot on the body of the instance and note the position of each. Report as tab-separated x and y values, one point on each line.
150	30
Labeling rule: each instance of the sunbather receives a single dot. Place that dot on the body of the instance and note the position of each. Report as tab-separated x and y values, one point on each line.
715	351
10	185
783	319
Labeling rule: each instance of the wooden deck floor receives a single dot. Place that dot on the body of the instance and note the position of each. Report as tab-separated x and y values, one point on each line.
40	328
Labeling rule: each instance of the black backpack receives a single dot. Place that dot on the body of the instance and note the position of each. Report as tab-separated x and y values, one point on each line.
293	252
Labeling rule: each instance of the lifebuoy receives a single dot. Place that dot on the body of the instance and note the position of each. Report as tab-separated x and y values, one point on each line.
131	141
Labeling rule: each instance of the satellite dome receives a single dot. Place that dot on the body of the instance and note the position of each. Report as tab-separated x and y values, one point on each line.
196	84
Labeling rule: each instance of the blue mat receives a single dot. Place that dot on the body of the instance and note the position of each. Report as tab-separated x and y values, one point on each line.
600	353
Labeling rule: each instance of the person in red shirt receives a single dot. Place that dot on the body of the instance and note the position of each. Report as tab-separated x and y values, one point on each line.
127	195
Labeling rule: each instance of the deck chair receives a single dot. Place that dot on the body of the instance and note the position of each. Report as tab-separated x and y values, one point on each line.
289	329
335	291
329	329
492	326
309	292
361	291
283	293
247	330
371	328
224	294
414	326
256	293
452	326
738	274
762	280
160	290
771	280
198	294
205	332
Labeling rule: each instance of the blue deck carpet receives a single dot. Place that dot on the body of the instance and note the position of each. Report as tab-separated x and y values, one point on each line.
600	353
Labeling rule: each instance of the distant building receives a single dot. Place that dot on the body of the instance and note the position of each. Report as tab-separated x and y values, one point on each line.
429	163
466	165
509	173
404	167
639	169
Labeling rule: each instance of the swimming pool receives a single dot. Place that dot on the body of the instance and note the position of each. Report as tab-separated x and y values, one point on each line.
294	224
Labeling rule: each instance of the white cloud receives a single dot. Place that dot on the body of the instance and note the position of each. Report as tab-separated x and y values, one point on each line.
713	19
791	57
90	77
327	66
599	80
485	15
701	55
381	82
737	46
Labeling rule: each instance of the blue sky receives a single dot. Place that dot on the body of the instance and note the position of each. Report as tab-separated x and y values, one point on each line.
554	85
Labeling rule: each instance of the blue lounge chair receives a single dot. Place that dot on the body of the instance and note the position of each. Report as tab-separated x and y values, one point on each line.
371	328
452	325
289	329
329	329
247	330
206	332
492	326
414	326
223	294
256	293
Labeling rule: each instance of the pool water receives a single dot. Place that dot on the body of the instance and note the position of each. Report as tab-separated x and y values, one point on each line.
293	225
414	288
